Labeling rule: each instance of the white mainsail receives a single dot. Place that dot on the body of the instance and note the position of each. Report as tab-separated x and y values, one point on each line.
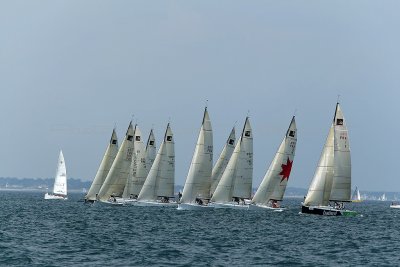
105	166
141	164
332	179
160	180
198	180
115	181
60	181
341	186
137	171
222	161
273	185
244	168
237	177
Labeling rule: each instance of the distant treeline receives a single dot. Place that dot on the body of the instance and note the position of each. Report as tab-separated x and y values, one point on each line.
40	183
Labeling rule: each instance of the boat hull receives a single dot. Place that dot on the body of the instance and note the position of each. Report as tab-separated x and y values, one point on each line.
228	206
326	211
156	204
397	206
256	207
50	196
192	206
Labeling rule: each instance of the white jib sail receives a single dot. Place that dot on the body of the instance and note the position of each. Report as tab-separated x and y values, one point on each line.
273	185
341	185
223	192
105	166
321	185
222	161
60	181
244	167
115	181
160	180
356	194
198	180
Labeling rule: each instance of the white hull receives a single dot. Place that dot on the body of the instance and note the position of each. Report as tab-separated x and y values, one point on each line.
155	204
263	207
396	206
50	196
228	206
192	206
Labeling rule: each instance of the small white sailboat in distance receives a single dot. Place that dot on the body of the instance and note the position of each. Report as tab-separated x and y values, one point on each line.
60	181
383	197
196	192
356	197
273	186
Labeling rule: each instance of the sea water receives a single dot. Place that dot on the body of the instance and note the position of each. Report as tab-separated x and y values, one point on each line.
38	232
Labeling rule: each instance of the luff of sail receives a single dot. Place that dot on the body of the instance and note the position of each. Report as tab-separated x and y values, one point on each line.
273	185
60	181
105	166
321	185
115	181
222	161
198	180
160	180
341	185
236	179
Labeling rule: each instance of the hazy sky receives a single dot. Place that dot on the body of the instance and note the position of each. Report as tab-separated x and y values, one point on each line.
71	70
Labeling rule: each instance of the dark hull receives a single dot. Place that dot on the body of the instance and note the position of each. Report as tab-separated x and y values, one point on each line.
325	211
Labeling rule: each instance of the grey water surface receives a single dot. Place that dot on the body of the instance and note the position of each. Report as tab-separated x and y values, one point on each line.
38	232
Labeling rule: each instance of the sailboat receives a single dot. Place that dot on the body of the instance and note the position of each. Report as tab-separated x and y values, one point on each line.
356	197
60	181
196	191
383	197
273	186
331	185
105	166
135	175
115	182
222	161
235	185
158	189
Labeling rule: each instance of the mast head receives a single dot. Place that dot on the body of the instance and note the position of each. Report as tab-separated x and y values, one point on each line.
292	130
168	137
247	132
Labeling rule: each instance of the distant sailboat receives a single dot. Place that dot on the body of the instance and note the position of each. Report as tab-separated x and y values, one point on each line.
235	185
105	166
383	197
60	181
115	182
196	192
158	189
356	197
222	161
331	185
273	186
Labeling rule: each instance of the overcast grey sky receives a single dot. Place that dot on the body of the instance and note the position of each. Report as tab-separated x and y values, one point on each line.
71	70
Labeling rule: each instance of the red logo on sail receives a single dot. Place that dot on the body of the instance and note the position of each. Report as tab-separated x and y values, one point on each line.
286	169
